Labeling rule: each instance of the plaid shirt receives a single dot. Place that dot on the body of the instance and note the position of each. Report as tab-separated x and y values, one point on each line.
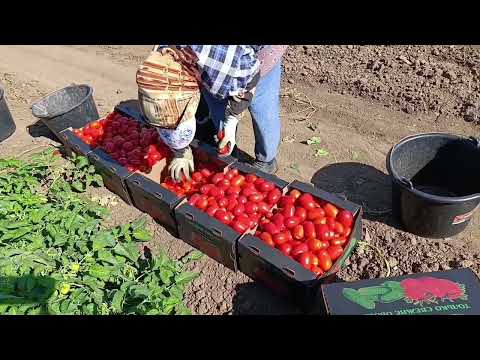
226	70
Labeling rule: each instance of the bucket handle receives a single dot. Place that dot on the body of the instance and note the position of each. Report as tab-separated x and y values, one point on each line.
475	141
407	182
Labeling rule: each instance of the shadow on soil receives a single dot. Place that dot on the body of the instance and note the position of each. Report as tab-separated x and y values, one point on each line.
255	299
39	129
362	184
26	292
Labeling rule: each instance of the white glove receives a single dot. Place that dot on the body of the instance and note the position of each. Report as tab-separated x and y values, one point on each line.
230	134
182	162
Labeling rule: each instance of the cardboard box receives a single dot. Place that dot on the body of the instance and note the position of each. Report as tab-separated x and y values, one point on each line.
454	292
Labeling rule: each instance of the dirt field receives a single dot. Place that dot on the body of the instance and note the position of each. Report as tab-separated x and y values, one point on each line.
360	100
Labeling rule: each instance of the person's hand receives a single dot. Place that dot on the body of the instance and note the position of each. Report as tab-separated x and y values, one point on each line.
182	162
229	135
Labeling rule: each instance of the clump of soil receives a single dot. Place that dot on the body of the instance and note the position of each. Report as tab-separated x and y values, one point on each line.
405	254
440	80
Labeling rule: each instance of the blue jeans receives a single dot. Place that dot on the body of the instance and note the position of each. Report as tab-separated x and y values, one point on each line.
265	112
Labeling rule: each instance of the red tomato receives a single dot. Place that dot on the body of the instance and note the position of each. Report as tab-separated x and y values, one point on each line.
278	219
224	182
267	238
280	238
256	198
239	209
325	245
288	210
306	259
320	221
314	244
230	217
222	202
298	232
251	207
201	203
285	248
222	216
291	222
338	228
289	235
315	214
206	173
250	178
331	223
324	260
299	250
212	210
306	200
238	180
266	186
239	226
271	228
335	251
316	270
347	232
273	196
295	243
217	178
214	191
205	189
248	192
295	193
234	190
242	199
232	204
212	202
197	176
229	175
346	218
301	213
263	207
285	200
258	181
314	260
309	230
330	210
323	232
193	199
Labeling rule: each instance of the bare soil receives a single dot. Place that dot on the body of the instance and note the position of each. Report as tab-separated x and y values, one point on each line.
359	100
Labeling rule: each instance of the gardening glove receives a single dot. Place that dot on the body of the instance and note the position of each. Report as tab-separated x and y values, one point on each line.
229	134
182	162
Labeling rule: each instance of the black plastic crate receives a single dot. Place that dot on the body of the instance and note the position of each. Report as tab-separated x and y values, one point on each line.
285	276
152	198
113	174
74	144
207	234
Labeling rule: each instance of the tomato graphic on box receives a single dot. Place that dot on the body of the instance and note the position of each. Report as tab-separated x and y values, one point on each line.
416	291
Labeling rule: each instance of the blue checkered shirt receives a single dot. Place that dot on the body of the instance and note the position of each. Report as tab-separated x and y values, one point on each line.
226	70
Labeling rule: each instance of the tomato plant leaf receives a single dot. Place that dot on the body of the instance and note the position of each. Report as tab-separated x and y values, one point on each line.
117	301
185	277
102	240
128	250
142	235
314	140
194	255
79	186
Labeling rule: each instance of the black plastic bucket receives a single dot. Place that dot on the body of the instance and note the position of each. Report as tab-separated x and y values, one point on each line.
7	125
72	106
436	183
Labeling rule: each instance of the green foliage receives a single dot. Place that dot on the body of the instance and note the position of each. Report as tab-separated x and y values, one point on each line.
57	258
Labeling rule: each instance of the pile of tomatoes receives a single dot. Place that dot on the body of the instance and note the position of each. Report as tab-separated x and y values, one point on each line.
312	232
237	200
189	187
126	140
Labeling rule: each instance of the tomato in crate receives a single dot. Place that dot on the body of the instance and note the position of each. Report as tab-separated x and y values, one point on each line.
225	208
305	242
